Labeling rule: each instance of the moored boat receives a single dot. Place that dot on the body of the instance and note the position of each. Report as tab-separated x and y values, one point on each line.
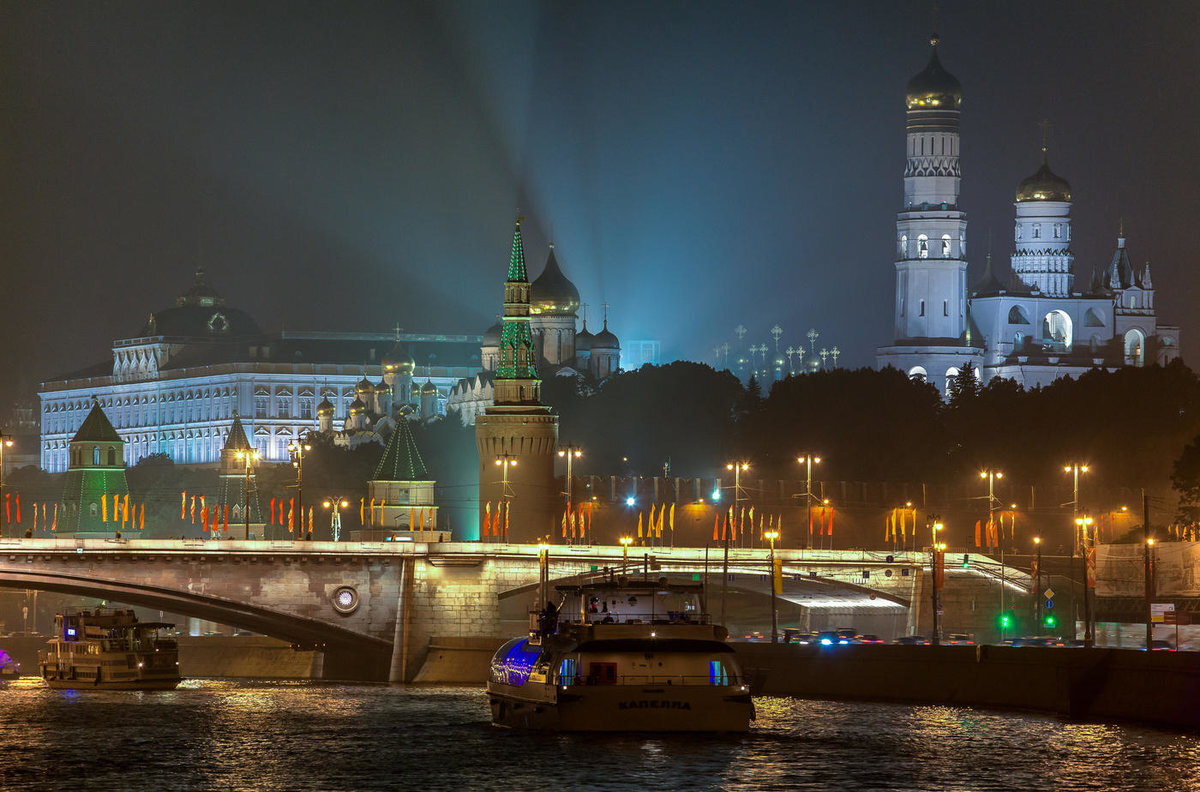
9	668
109	649
621	655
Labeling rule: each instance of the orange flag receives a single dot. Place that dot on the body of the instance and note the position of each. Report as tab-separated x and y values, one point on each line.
716	526
291	515
183	505
226	511
103	508
54	525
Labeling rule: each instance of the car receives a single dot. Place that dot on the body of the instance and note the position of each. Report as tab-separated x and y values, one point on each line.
797	636
912	640
868	638
1039	640
957	639
832	638
846	632
754	636
1161	646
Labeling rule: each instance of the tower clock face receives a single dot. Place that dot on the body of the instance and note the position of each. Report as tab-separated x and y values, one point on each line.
217	323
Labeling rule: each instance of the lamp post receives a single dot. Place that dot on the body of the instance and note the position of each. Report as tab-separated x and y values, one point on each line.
771	536
570	453
991	476
737	468
1037	586
937	569
504	461
248	456
808	460
1075	468
1149	591
1083	529
297	448
625	542
335	519
5	442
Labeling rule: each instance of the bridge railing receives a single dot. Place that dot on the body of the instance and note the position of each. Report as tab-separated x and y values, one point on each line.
702	680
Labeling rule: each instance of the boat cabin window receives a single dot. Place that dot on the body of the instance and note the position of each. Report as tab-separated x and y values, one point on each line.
603	673
568	671
717	673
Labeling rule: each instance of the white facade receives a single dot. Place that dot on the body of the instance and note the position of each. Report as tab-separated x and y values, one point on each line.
1039	326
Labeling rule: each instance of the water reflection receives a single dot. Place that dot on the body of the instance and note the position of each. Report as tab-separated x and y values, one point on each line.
212	734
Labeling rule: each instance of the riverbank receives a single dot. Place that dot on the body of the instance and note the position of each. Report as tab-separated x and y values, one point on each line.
1159	688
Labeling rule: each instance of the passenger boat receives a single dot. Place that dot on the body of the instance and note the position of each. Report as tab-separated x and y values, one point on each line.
619	655
109	649
9	668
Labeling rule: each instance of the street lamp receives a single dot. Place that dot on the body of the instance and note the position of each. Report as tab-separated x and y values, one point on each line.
335	520
248	456
1037	586
1075	468
937	565
625	542
5	442
1083	529
298	447
808	460
504	461
737	468
991	476
570	453
771	536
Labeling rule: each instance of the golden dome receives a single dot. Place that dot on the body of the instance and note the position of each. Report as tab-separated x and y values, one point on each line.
1044	185
934	88
552	293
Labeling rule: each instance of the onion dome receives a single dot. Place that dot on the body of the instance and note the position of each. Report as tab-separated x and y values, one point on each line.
1044	185
584	339
382	386
325	407
604	339
552	293
364	386
399	359
357	407
491	337
933	88
429	389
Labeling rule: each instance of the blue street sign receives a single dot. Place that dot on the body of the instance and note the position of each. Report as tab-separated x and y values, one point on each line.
1049	604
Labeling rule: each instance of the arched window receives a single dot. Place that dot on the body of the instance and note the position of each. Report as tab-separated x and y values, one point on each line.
922	307
904	246
922	246
1057	331
945	246
918	373
1037	231
951	373
1135	348
95	455
1018	340
1017	315
112	456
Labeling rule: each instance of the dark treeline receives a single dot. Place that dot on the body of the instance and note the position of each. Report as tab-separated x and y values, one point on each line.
1131	426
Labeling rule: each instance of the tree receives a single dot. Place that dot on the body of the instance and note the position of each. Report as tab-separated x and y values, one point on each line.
1185	479
965	385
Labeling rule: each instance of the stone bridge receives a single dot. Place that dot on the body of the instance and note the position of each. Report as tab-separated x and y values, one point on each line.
373	608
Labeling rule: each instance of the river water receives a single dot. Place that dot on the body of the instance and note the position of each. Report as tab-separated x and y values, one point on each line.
238	735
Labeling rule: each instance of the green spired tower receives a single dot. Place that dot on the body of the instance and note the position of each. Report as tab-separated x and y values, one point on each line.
95	490
517	436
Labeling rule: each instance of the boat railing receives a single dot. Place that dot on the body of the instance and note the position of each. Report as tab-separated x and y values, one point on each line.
670	617
700	680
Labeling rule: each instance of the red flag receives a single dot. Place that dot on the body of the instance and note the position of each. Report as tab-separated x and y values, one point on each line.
564	525
506	507
716	526
810	530
831	521
291	515
977	532
18	500
183	505
7	510
272	511
54	525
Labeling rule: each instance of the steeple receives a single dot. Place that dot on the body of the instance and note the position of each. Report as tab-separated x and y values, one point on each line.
517	381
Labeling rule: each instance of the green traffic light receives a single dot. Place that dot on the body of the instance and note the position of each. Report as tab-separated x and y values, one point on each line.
1051	620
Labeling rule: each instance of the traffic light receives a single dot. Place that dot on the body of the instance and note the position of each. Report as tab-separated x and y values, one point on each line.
1006	621
966	560
1050	620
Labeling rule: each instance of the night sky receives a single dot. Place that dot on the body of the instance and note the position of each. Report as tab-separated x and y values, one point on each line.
348	166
